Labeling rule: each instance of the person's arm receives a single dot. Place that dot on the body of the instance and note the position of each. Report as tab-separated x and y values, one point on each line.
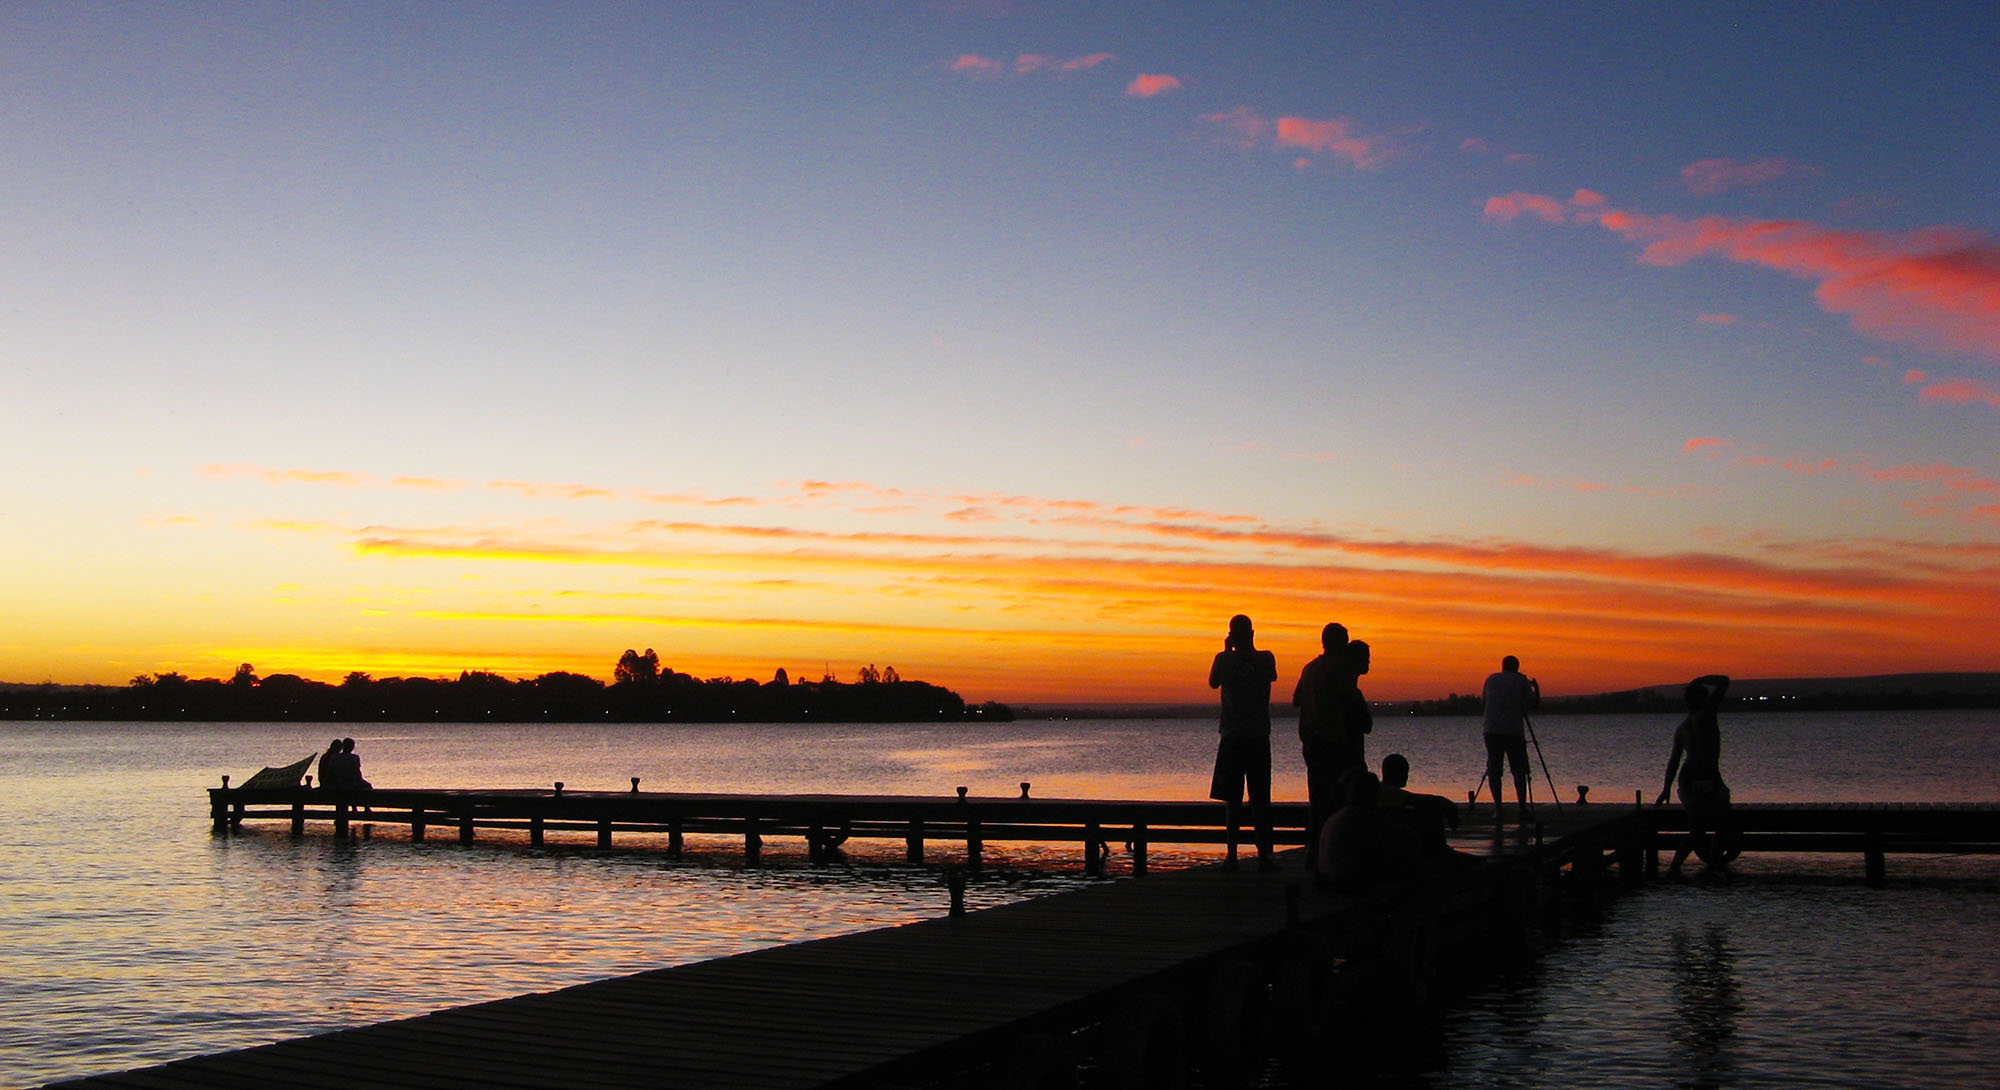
1215	671
1532	699
1270	663
1674	761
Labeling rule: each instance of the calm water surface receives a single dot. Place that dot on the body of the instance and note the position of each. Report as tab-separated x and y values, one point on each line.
130	935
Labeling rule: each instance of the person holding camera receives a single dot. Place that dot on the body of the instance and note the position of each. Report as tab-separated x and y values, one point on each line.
1509	695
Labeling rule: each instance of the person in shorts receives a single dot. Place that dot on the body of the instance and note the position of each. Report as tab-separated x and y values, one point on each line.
1244	675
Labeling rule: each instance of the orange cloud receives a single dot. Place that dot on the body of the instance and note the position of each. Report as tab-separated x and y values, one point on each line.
1147	85
289	476
1704	442
1717	319
1712	176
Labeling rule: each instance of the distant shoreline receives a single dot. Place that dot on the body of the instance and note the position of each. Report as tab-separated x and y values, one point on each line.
1882	692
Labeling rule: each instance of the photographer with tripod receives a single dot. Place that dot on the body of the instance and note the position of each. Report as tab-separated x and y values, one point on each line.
1509	696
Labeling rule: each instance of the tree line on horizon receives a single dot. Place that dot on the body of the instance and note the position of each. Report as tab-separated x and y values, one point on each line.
641	691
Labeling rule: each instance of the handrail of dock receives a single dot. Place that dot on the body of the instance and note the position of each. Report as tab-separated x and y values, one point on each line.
824	822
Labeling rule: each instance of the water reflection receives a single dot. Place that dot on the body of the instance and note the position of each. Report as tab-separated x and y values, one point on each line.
1706	1005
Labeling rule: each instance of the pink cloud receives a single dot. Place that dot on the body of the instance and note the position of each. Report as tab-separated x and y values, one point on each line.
1962	391
1241	125
1703	442
1717	319
1914	377
1042	62
1338	137
1147	85
971	64
1938	288
1515	205
1712	176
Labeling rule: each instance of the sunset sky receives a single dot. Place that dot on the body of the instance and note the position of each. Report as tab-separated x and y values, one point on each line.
1013	345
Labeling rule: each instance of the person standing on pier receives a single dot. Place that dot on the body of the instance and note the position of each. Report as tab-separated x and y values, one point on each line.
1509	696
1321	700
1697	758
1244	675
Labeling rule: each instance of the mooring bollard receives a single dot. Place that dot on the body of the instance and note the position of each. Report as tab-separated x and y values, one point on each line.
1024	789
635	785
961	792
559	789
1583	794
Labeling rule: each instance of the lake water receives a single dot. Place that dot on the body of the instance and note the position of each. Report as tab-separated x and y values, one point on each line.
131	935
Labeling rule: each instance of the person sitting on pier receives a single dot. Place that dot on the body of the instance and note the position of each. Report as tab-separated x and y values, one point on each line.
340	768
1363	846
329	767
1429	815
1697	758
1244	674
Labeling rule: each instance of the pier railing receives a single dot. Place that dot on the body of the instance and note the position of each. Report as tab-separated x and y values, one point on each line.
823	822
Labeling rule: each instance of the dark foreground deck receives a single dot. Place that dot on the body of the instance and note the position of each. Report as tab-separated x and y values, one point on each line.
1135	980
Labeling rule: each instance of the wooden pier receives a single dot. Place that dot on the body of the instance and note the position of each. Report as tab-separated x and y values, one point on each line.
1136	982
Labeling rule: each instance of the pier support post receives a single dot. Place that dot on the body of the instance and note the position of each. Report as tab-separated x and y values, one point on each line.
465	828
974	846
417	824
340	821
298	817
674	837
1874	865
535	830
604	832
913	843
1139	848
753	844
218	807
1094	850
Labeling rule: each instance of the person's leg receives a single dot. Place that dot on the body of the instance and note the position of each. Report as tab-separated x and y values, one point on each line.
1257	781
1496	749
1517	763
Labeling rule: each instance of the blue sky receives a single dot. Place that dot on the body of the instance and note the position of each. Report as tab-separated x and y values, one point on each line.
735	318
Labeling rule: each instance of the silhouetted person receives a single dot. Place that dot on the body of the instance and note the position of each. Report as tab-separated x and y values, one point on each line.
1509	697
1243	754
1363	846
329	766
1360	721
1697	758
1322	702
340	768
1429	816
